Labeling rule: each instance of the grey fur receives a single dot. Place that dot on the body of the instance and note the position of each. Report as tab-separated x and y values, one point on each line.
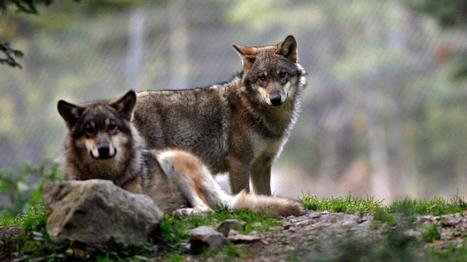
229	126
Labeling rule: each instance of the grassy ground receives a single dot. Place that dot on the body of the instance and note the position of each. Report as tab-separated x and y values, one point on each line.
34	241
407	207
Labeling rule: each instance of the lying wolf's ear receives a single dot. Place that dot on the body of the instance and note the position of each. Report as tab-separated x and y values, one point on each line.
288	48
69	112
247	54
125	104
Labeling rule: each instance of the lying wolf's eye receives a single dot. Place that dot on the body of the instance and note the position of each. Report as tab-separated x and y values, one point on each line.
262	77
112	126
89	130
283	74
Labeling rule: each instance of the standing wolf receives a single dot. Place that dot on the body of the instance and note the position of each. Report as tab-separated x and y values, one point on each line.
240	126
102	143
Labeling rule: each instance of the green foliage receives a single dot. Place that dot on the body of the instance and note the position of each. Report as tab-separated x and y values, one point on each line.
448	13
450	253
24	188
25	6
435	206
174	231
34	242
381	214
407	207
10	55
395	245
348	204
431	233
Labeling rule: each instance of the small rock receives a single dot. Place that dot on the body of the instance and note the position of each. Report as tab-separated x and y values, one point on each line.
413	233
204	237
362	219
286	225
451	221
240	238
314	215
230	224
424	219
349	223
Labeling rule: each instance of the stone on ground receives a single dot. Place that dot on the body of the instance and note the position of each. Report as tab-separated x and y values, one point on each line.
230	224
96	212
205	237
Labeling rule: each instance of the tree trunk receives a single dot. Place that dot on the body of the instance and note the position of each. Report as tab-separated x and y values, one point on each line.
380	181
134	58
178	45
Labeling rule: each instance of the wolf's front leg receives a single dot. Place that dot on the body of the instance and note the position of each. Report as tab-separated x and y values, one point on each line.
261	176
239	173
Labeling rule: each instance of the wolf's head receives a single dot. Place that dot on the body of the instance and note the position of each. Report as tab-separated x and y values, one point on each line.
101	130
271	73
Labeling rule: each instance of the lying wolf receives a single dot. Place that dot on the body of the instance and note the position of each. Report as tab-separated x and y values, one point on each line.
103	143
238	127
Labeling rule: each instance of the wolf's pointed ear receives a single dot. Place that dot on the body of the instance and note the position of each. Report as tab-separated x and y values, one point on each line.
125	104
247	54
288	48
69	112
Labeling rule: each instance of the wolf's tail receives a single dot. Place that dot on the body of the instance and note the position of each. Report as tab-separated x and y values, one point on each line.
202	191
274	206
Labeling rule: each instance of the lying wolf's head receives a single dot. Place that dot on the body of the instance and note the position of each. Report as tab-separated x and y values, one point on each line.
99	130
271	73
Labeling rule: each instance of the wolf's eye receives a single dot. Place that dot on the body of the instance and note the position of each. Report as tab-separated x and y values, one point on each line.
283	74
112	126
262	77
89	130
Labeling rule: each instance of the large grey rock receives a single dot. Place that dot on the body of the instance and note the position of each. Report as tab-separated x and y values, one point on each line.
96	211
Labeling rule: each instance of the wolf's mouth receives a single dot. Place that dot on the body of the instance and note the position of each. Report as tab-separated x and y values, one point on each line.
103	156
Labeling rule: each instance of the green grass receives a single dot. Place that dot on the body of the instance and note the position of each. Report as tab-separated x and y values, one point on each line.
408	207
348	204
17	188
431	233
34	241
450	253
435	206
175	230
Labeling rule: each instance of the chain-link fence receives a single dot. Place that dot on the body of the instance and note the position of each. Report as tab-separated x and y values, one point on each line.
381	115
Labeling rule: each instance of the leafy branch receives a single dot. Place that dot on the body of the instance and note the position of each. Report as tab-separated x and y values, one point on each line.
10	55
24	6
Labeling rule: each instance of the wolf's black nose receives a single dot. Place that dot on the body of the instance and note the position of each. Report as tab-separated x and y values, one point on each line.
275	99
104	151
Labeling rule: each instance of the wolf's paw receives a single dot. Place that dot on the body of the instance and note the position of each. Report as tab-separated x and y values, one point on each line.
182	212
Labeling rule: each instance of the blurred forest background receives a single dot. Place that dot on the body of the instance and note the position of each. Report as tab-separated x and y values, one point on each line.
384	113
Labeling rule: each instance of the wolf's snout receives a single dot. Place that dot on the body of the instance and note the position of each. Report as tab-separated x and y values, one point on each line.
275	98
104	150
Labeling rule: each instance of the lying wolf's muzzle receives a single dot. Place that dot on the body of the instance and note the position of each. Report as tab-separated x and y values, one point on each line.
104	151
